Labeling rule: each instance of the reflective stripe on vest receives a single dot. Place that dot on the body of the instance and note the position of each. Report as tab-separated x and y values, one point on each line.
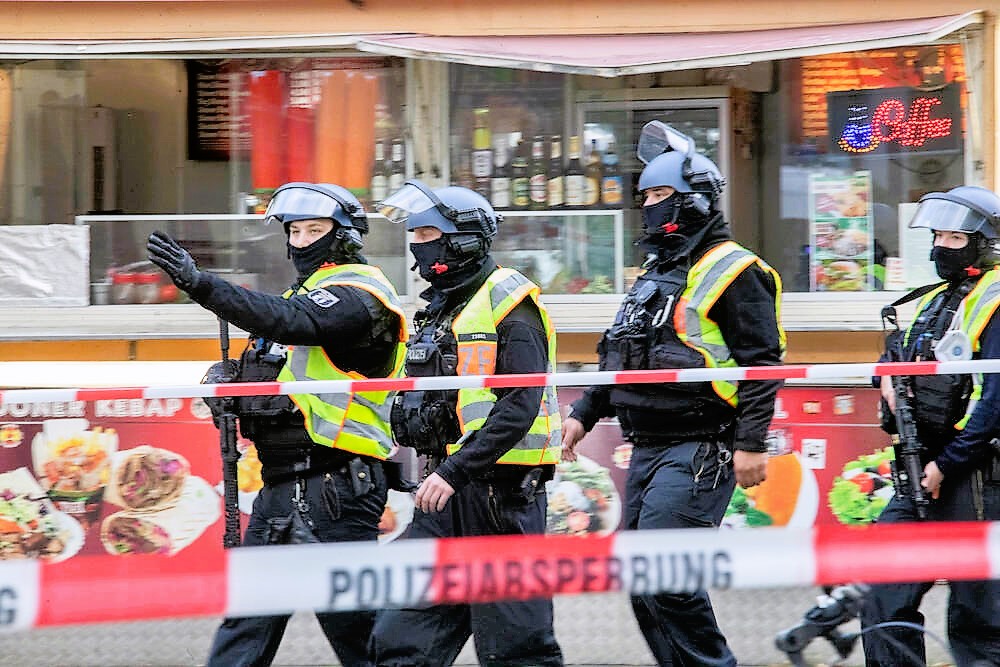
974	313
357	422
706	281
475	330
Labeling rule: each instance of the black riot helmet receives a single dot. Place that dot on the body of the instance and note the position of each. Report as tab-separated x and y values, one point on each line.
307	201
969	209
671	160
466	219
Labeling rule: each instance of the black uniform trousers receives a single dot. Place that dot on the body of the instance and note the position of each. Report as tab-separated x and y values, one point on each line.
684	484
506	633
339	514
973	606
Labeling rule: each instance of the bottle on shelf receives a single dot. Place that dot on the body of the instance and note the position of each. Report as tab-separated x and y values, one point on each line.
611	183
500	180
538	181
397	168
380	177
520	196
482	152
592	177
555	173
574	178
463	175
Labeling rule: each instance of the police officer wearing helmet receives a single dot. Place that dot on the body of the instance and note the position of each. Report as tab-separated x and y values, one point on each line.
703	301
957	419
322	454
496	447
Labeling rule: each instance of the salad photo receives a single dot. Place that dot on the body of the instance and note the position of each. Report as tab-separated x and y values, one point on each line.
863	488
582	500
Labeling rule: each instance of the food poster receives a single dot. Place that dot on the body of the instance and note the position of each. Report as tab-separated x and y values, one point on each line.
113	477
119	477
841	230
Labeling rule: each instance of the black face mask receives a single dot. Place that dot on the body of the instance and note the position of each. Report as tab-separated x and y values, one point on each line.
308	259
668	225
951	263
439	266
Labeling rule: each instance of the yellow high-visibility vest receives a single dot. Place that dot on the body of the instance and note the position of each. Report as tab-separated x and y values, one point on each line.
357	422
475	329
706	281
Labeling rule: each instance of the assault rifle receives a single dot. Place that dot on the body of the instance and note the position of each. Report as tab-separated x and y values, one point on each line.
223	412
907	469
839	606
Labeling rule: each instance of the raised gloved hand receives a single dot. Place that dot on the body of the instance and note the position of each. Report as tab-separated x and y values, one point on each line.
175	260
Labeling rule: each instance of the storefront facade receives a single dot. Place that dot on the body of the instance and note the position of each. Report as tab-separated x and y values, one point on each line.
829	122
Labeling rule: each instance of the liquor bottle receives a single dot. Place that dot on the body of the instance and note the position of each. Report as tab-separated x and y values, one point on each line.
555	173
611	184
397	169
500	181
482	153
592	177
463	175
380	179
574	175
520	196
538	183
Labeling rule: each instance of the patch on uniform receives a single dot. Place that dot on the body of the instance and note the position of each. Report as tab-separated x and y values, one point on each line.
322	298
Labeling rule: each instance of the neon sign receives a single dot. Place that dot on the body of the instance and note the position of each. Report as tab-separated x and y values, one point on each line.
894	120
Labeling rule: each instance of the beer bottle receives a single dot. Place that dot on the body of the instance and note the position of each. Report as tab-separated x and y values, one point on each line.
500	181
592	177
574	175
520	190
397	170
555	173
482	153
538	185
380	179
611	184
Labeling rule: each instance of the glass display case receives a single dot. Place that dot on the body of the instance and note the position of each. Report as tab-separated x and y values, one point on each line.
565	252
239	248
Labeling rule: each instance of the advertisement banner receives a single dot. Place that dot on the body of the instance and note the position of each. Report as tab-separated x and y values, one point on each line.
133	476
841	233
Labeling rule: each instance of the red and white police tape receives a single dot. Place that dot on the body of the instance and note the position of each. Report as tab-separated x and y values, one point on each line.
563	379
349	576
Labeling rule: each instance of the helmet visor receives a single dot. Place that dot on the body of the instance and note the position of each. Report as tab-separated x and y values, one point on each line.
942	215
657	138
408	200
300	203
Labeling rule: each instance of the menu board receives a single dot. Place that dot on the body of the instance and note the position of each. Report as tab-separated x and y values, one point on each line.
841	231
218	122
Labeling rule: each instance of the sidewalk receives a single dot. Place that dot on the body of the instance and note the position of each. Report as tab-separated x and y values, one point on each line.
595	630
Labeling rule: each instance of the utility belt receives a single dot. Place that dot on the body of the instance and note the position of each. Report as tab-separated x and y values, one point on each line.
519	480
317	461
692	420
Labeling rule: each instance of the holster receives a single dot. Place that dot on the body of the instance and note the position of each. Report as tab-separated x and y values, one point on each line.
291	529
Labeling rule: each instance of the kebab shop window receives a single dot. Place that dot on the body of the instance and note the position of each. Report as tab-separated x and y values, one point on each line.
866	134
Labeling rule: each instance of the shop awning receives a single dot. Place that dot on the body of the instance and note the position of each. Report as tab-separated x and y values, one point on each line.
617	55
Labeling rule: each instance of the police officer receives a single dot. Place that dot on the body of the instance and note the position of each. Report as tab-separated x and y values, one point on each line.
957	417
495	448
703	301
322	454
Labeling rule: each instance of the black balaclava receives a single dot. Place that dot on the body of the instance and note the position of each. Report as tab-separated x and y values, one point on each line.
669	226
954	264
439	264
311	257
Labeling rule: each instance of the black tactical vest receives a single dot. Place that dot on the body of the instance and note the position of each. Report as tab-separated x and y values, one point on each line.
643	337
427	420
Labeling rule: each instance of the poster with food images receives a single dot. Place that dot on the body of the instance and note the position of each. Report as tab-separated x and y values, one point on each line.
841	232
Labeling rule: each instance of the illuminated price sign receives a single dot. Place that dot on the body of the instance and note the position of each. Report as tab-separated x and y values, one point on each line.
894	121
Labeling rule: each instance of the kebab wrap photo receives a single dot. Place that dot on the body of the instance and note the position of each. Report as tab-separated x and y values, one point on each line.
166	530
146	478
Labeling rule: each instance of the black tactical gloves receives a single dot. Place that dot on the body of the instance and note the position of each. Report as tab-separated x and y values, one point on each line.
175	260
